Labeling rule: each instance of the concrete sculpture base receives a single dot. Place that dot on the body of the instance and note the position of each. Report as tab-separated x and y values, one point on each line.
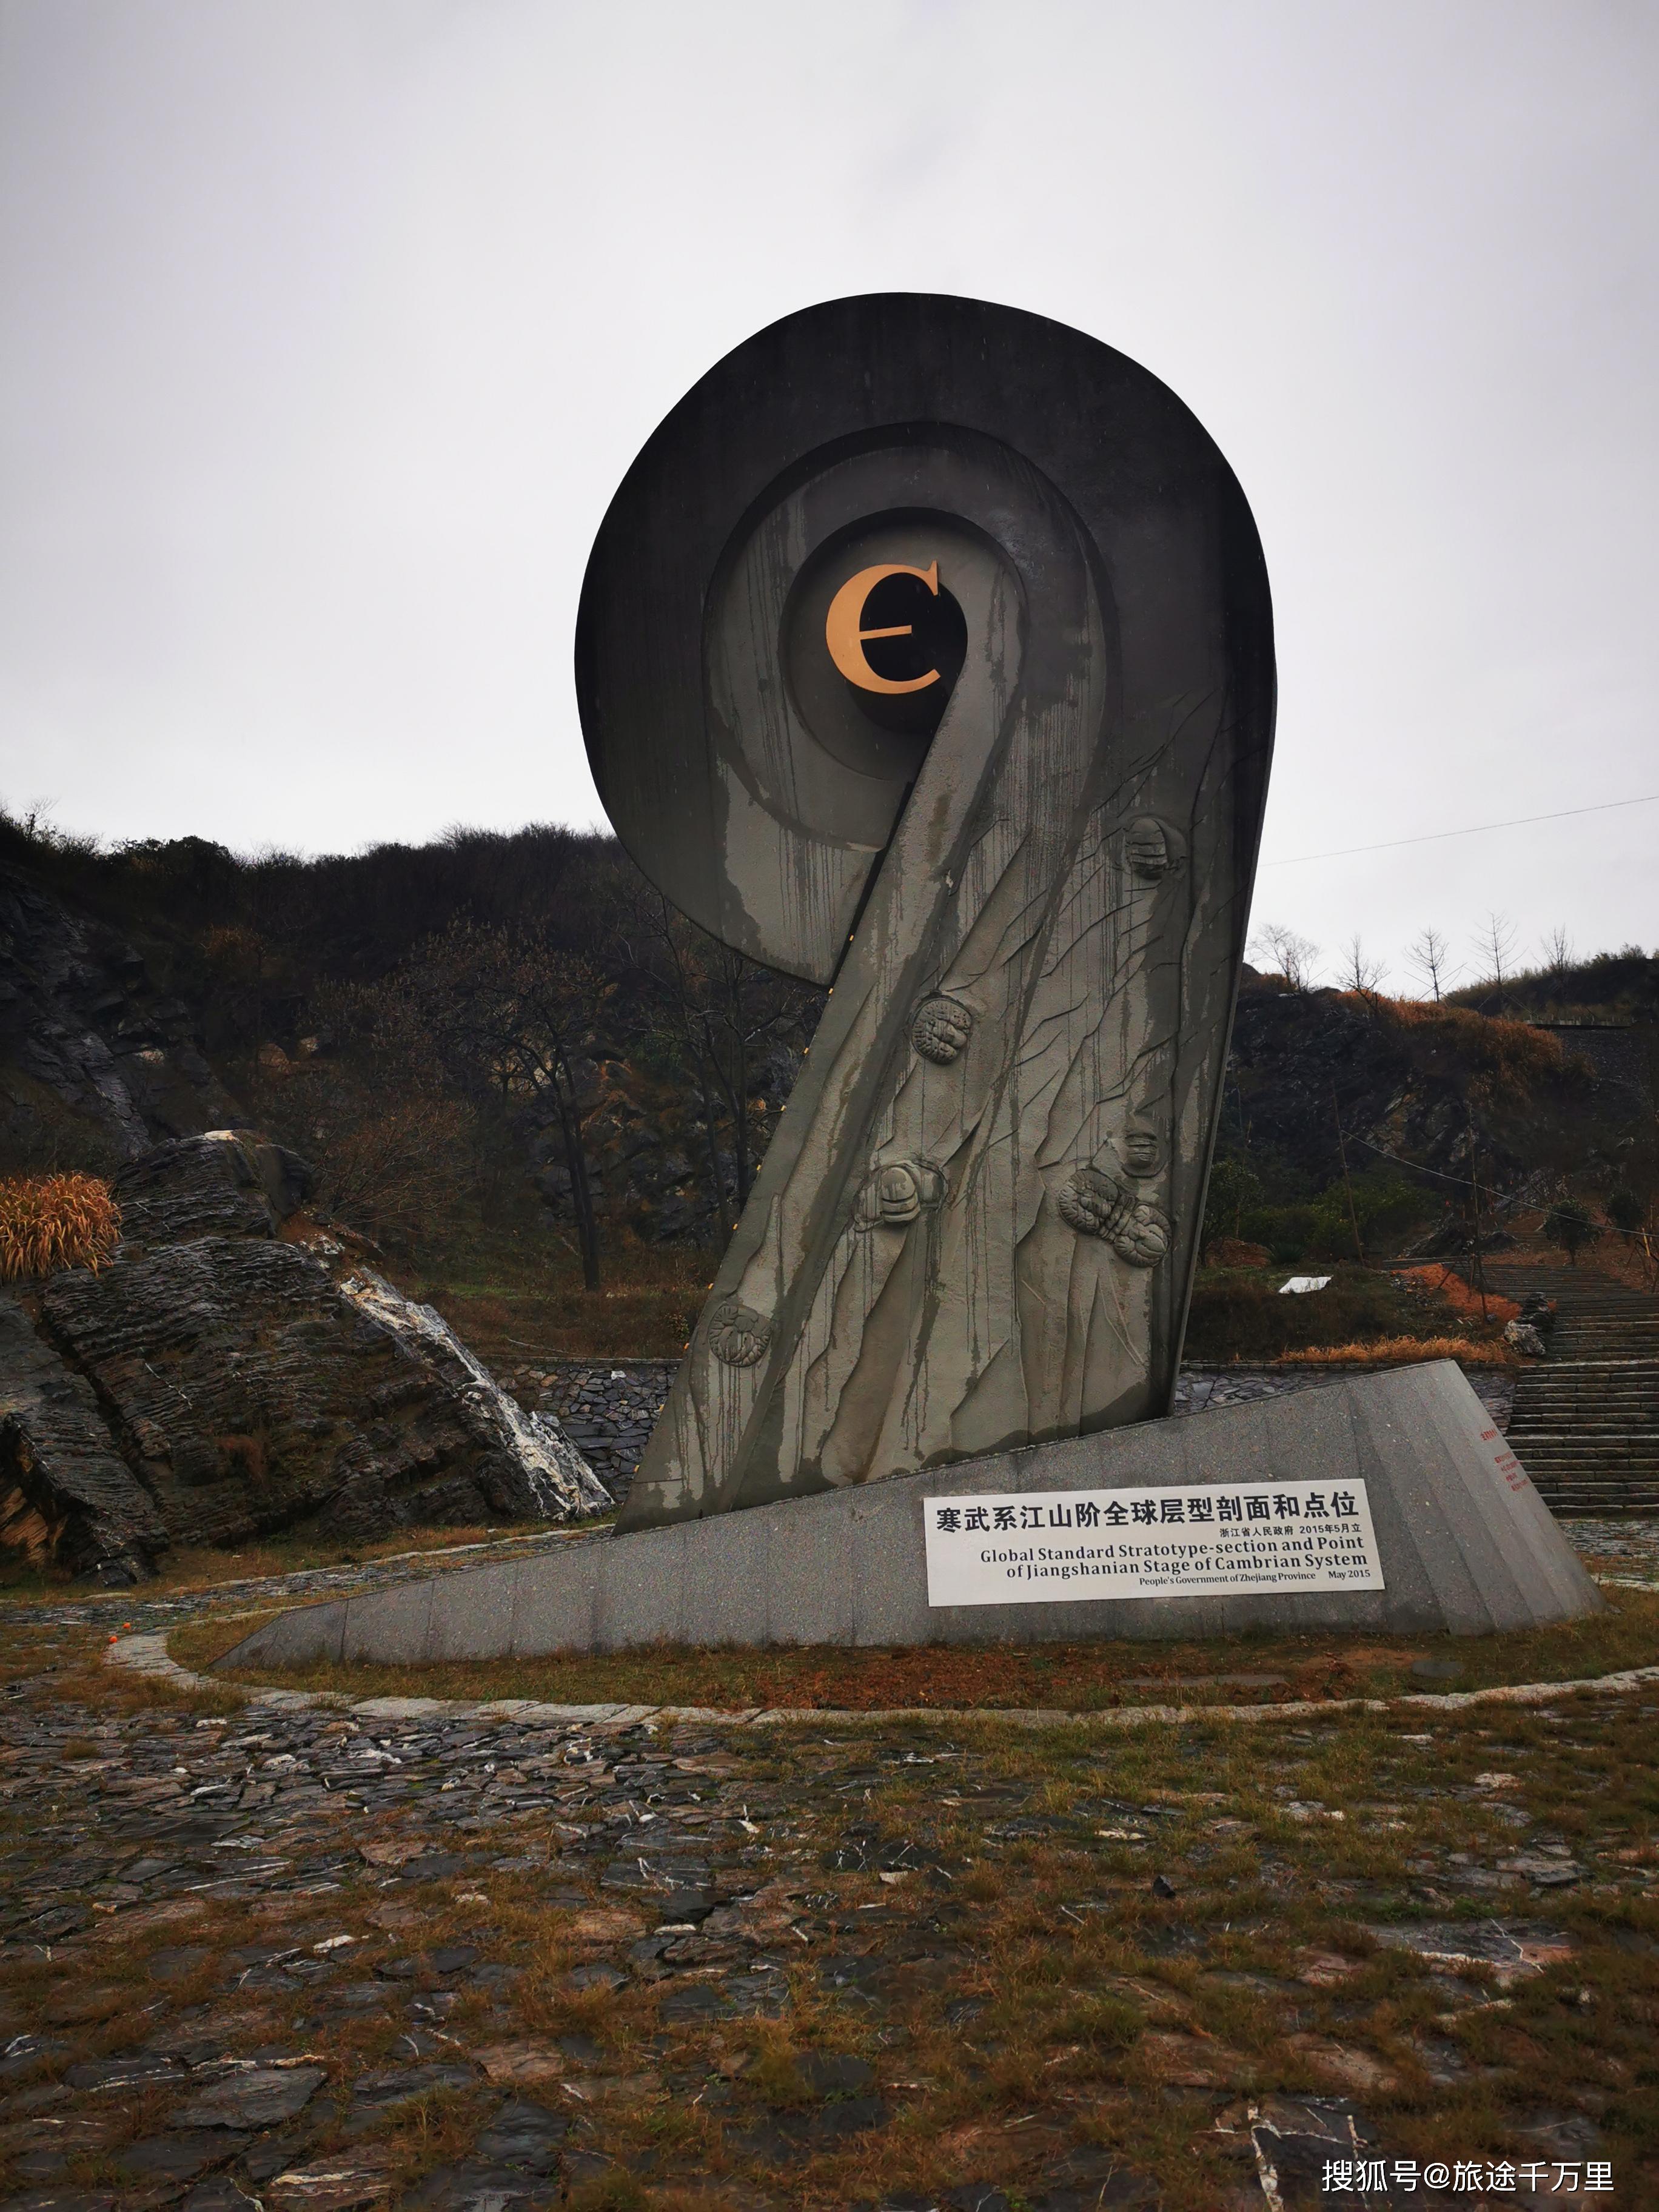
1454	1532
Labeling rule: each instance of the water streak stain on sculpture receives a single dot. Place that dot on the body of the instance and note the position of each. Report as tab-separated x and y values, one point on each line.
976	1223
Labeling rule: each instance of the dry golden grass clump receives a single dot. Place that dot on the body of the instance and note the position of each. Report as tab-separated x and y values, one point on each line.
1501	1061
48	1222
1405	1350
1465	1302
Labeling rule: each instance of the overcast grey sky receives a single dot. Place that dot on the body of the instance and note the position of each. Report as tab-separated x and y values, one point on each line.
327	328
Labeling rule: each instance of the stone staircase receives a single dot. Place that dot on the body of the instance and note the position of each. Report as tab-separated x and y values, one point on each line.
1586	1420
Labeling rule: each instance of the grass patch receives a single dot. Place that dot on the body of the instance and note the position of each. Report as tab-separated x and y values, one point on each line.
70	1661
49	1222
514	1297
199	1567
1241	1313
1070	1678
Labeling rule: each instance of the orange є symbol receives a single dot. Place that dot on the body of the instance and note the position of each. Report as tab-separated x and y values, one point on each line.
845	639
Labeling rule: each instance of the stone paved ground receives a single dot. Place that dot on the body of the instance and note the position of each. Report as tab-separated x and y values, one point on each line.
1617	1546
308	1958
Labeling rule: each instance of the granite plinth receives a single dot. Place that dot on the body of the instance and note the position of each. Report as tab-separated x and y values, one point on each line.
1467	1546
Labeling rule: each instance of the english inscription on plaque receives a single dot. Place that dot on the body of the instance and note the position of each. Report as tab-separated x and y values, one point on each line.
1055	1545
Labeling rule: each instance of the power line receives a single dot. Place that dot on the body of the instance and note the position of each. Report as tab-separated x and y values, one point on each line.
1497	1197
1475	829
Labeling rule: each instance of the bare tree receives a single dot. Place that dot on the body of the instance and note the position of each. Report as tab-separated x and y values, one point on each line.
1359	972
1557	948
1494	946
389	1138
722	1013
1290	954
515	1015
1430	956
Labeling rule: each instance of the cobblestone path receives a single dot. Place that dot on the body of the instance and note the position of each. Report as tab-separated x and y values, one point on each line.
305	1958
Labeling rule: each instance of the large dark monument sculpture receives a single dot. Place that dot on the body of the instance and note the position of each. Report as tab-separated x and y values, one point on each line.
926	651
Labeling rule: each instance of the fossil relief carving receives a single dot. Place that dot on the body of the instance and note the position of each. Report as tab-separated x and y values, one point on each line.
898	1193
737	1334
941	1029
1096	1206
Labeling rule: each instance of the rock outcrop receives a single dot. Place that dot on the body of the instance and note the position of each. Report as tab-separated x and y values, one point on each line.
219	1380
65	1492
227	1183
96	1058
530	1469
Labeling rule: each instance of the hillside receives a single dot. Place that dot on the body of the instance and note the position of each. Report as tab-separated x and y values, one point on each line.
541	1096
1417	1111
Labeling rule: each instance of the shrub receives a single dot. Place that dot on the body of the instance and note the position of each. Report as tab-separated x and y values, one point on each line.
1570	1225
1383	1203
1232	1190
1627	1211
1322	1227
1286	1230
48	1222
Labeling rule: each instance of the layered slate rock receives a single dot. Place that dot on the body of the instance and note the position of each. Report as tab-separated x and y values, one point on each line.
249	1393
529	1460
217	1381
65	1492
228	1183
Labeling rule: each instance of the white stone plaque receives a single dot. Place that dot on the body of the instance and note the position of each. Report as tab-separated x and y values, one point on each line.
1213	1538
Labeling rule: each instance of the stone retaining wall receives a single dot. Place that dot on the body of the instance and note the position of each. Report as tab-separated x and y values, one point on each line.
608	1408
1201	1388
